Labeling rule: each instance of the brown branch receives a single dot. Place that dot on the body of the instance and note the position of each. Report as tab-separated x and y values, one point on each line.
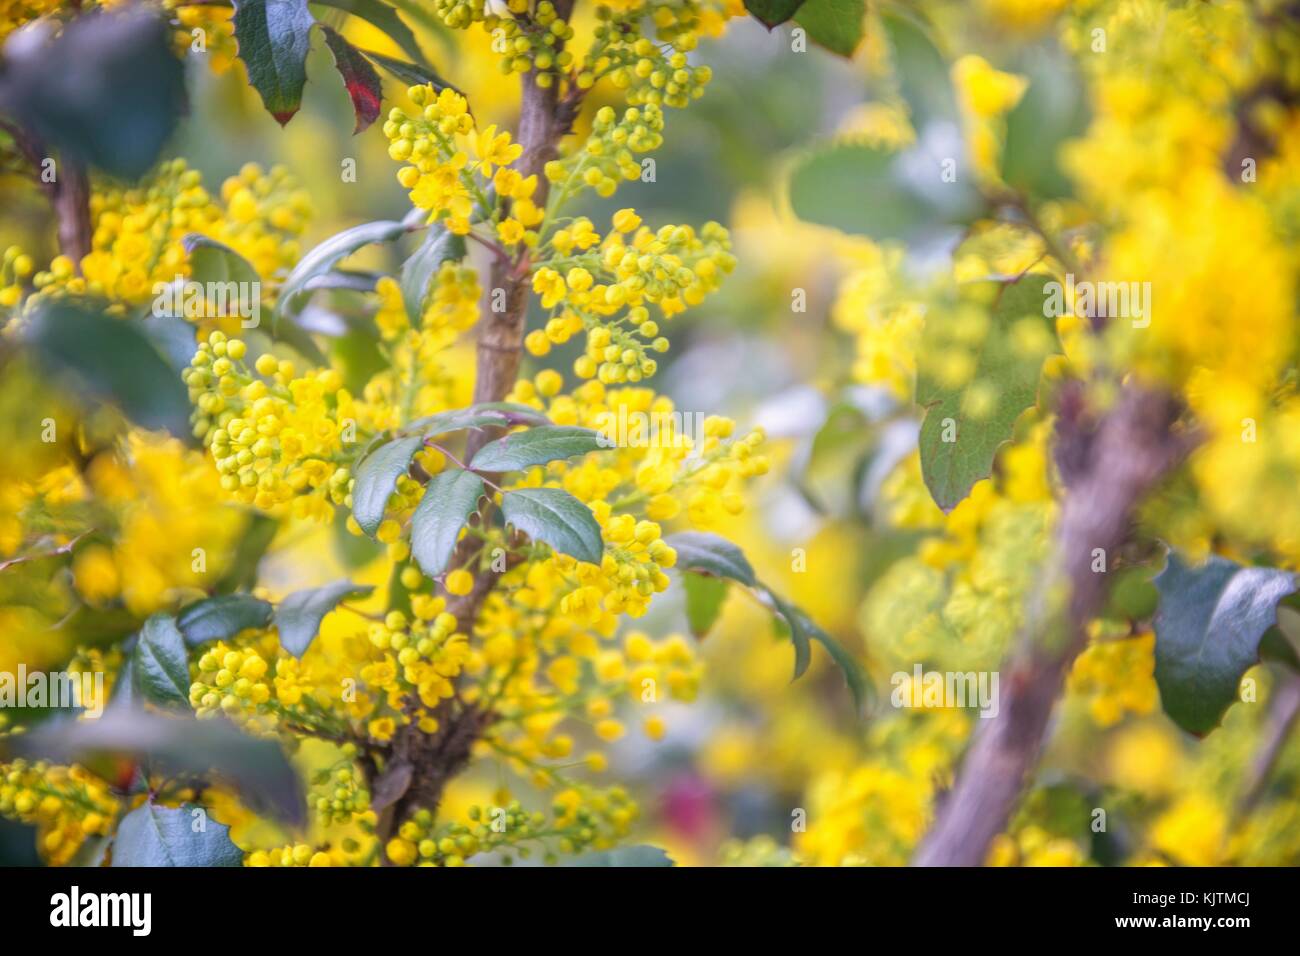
1108	467
417	766
71	199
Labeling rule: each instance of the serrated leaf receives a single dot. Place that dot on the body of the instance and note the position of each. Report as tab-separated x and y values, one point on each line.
536	446
151	835
412	74
274	38
384	17
376	478
160	666
557	518
837	25
876	192
705	596
1007	375
110	359
107	90
418	270
212	261
327	255
772	13
222	617
449	499
707	553
1208	633
484	414
359	78
639	855
173	746
299	615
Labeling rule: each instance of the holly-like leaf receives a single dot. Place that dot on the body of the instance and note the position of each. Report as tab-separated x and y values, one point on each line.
837	25
705	596
359	77
327	255
151	835
299	615
212	261
274	38
639	855
384	17
449	499
875	192
110	359
412	74
484	414
958	443
803	628
172	746
107	90
772	13
418	271
706	553
557	518
536	446
160	663
222	617
376	478
1208	633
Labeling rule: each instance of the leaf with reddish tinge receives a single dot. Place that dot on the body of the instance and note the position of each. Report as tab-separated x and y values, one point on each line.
359	77
274	38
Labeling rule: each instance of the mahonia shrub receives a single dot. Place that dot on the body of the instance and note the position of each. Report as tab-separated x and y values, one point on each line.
383	545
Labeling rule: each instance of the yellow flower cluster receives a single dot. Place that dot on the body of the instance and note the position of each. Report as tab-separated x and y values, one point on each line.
1117	678
16	13
67	804
275	437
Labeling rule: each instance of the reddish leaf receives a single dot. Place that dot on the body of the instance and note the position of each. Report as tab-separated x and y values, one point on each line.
359	77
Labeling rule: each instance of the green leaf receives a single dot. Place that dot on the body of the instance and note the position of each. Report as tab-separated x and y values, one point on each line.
160	663
790	616
173	746
1208	633
484	414
536	446
1054	109
449	499
862	190
705	596
412	74
924	80
376	478
299	615
110	359
174	338
107	91
639	855
151	835
211	261
557	518
327	255
222	617
384	17
772	13
854	674
957	449
418	271
837	25
274	39
706	553
359	78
